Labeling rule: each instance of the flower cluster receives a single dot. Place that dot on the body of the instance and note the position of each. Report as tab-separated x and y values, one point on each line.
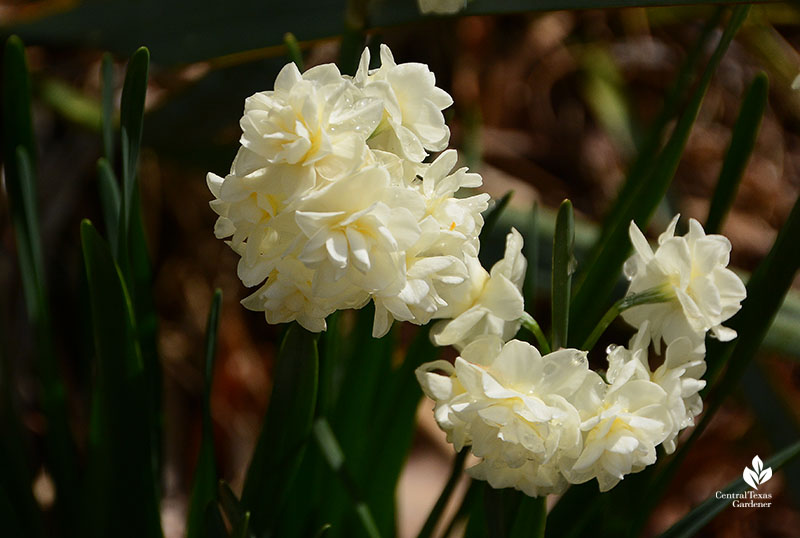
332	202
539	423
329	204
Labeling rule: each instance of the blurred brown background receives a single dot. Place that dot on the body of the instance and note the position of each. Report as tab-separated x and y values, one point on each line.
550	105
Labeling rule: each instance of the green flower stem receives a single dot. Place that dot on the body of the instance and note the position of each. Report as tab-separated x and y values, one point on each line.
654	295
447	492
529	323
539	531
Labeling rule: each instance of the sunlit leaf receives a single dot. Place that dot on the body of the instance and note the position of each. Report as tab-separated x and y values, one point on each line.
563	267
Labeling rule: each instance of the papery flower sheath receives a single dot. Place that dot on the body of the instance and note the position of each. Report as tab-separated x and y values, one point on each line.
692	270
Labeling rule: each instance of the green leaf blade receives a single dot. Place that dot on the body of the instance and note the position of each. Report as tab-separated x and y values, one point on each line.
531	518
593	292
493	215
107	76
19	150
286	429
743	140
206	479
124	487
563	267
132	118
395	413
701	515
110	202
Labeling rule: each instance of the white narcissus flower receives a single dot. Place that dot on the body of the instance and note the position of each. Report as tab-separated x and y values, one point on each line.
679	376
486	303
412	119
511	405
359	227
287	296
460	218
446	7
693	270
429	269
620	434
532	478
437	264
318	122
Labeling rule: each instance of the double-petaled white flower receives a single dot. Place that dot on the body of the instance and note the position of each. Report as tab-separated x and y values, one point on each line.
512	406
317	123
486	303
693	271
412	122
358	227
622	424
439	262
679	375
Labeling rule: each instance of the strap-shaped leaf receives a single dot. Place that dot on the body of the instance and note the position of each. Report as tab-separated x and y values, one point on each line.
131	120
743	140
107	76
592	294
286	429
123	497
531	518
701	515
234	511
19	512
493	215
17	122
393	430
20	180
363	386
644	161
444	497
205	478
293	50
208	29
563	267
475	505
332	452
132	255
140	281
110	202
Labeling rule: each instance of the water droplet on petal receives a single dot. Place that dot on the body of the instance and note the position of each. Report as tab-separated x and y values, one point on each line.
611	348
